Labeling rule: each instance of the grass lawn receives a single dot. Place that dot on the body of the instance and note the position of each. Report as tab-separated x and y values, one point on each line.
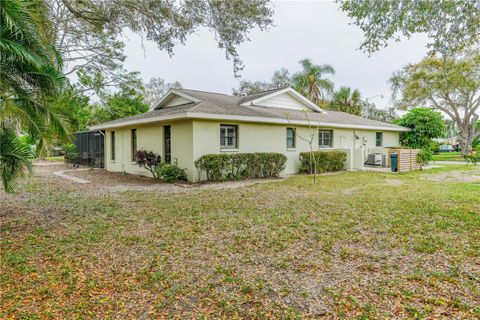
448	156
355	245
58	158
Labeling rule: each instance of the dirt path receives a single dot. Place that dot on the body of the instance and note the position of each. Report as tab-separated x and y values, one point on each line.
105	181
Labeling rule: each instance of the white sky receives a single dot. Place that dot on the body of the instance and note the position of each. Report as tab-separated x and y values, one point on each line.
317	30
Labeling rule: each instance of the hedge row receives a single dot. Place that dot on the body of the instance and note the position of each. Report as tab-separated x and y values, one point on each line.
325	161
241	165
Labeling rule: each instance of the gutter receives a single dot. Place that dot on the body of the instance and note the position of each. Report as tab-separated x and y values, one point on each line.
208	116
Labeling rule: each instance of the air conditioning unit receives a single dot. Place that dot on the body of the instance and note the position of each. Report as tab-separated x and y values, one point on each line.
377	159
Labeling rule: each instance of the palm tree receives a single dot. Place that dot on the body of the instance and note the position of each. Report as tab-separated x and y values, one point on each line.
311	82
14	157
30	73
346	100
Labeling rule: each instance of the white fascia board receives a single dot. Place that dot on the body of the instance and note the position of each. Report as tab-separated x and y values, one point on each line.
207	116
139	121
297	95
171	92
311	123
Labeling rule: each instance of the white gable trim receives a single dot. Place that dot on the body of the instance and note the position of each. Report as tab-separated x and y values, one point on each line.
294	93
169	94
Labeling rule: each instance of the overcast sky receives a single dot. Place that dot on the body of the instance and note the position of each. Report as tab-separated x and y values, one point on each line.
317	30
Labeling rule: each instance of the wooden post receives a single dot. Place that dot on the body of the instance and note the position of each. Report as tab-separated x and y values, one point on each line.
411	161
399	159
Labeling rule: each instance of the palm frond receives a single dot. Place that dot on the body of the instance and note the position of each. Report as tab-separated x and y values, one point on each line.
14	157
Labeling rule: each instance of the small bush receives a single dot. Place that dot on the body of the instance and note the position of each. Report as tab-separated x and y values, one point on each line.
435	147
148	160
473	157
70	152
170	173
241	165
325	161
424	156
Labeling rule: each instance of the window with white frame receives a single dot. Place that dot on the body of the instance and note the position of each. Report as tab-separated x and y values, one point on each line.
228	136
325	138
291	143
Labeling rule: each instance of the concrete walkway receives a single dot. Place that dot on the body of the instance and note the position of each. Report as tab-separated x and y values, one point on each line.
63	175
449	162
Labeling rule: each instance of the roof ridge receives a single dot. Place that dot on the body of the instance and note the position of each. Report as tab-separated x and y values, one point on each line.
264	91
223	94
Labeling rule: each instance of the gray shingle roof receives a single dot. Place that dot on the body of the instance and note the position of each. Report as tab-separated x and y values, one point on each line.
222	104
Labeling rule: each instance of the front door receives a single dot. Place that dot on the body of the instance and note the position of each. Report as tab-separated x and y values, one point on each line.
167	144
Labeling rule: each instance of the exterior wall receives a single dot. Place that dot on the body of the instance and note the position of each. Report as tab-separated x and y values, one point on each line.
150	137
190	139
255	137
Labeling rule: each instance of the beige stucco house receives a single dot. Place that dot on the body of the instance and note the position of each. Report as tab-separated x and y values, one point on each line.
186	124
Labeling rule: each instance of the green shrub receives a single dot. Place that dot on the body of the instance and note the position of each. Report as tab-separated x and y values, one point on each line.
435	147
170	173
424	156
325	161
70	152
241	165
215	166
473	157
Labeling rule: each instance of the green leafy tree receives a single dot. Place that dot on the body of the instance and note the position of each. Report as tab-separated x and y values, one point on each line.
280	79
119	105
449	85
370	111
346	100
246	87
156	88
451	26
75	108
30	75
311	81
128	101
425	123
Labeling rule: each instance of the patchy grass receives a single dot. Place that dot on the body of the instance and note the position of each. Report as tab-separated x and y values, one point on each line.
58	158
448	156
287	249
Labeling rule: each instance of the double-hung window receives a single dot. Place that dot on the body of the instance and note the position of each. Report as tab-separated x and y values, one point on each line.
291	143
112	146
228	136
325	138
378	139
134	144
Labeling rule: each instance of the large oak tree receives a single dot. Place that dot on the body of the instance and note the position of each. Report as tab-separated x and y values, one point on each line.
448	85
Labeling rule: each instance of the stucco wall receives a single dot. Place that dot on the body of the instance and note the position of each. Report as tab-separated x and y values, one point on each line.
255	137
150	137
193	138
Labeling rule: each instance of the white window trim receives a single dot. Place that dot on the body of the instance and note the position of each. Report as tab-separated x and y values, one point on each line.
236	142
331	146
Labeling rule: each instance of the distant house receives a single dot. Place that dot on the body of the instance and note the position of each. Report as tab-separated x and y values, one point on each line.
186	124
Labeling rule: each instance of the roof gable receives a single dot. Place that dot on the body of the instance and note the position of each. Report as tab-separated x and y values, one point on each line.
286	98
174	98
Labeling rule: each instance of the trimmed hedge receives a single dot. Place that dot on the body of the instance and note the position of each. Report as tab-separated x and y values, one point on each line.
325	161
171	173
241	165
